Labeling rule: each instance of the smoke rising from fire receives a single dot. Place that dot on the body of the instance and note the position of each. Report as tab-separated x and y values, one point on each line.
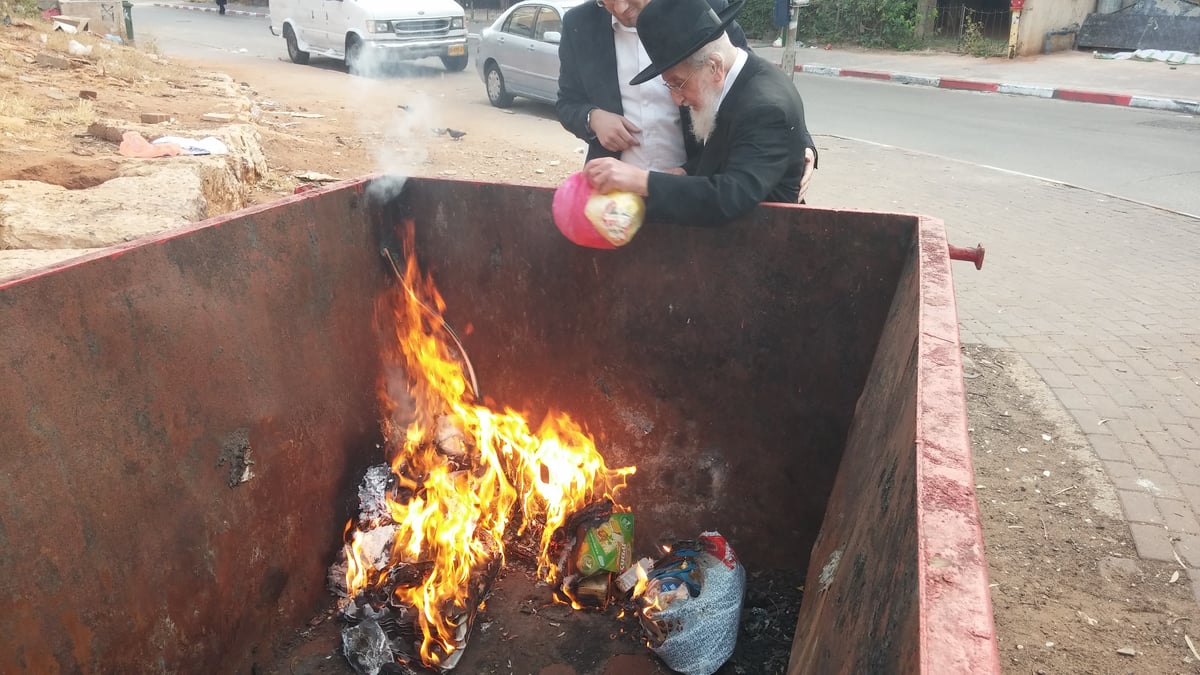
395	118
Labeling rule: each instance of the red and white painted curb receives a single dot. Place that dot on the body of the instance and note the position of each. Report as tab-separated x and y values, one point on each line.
198	8
1156	103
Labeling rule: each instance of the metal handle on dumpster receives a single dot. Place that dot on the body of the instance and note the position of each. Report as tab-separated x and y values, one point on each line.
974	255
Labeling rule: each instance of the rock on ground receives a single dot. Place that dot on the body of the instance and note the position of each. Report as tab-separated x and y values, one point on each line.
149	196
43	216
226	178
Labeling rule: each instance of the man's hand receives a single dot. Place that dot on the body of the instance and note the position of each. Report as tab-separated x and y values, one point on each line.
810	158
612	175
614	131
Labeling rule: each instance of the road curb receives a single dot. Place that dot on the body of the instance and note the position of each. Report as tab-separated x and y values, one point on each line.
194	8
1065	94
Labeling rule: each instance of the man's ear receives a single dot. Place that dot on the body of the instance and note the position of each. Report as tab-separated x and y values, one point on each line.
718	63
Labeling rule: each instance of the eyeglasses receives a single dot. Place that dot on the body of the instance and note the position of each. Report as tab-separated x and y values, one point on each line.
678	88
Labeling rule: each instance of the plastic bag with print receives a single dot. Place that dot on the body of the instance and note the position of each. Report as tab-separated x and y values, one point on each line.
596	220
692	604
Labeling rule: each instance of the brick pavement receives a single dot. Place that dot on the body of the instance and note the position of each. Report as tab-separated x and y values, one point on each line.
1099	295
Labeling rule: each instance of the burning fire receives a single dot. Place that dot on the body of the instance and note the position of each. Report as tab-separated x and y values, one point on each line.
463	471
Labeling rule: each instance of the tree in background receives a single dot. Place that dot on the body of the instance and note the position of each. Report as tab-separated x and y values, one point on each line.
926	14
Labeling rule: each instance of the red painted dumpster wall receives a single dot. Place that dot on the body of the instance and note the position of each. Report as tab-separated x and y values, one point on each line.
130	386
897	581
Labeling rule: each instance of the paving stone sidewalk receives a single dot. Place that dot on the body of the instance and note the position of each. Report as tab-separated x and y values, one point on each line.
1101	296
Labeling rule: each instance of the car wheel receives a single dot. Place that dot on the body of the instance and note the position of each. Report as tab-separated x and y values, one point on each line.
455	64
496	92
293	47
354	54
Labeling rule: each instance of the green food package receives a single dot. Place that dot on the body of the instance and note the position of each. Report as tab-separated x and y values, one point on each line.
608	546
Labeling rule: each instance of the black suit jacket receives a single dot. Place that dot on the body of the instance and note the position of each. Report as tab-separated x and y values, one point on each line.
755	154
587	75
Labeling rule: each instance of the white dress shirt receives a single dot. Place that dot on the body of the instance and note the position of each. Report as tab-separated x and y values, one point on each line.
648	106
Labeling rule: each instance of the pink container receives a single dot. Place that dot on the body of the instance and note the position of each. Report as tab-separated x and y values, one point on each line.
570	201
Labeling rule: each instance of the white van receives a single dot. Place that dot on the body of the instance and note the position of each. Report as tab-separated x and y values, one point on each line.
361	31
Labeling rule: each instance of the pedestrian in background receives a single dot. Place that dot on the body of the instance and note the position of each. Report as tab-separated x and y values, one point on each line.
221	6
783	9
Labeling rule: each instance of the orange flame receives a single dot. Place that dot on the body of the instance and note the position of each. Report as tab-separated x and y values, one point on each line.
466	467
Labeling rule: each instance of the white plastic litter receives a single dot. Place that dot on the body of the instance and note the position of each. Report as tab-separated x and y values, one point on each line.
696	635
204	146
76	48
372	494
629	578
1173	58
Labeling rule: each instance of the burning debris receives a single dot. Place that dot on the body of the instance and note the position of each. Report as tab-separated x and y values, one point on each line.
368	648
462	479
372	494
464	482
591	546
382	589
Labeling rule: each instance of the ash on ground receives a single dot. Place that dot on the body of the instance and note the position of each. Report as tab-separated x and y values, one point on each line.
768	624
522	630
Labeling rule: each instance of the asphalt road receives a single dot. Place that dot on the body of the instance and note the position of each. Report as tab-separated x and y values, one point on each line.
206	35
1137	154
1143	155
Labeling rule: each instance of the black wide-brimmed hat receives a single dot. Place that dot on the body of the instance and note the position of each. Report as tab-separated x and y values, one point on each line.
672	30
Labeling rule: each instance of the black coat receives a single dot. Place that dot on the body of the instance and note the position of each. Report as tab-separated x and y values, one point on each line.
587	75
755	154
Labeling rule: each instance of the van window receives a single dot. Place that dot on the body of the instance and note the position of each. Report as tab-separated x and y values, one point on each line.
521	22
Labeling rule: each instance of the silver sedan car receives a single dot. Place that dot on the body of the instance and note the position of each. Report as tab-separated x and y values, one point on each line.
518	54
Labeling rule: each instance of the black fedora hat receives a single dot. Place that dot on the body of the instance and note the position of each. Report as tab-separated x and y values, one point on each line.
672	30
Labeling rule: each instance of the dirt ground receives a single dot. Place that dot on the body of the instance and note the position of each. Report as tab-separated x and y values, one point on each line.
48	98
397	122
1070	594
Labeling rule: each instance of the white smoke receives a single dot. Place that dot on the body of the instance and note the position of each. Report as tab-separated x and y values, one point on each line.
395	119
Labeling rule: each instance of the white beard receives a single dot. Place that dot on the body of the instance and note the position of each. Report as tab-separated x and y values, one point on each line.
704	119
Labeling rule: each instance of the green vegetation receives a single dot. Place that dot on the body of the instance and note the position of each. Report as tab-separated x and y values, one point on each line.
870	23
19	8
756	20
975	41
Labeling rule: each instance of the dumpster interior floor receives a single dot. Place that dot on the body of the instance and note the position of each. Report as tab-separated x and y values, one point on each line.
519	630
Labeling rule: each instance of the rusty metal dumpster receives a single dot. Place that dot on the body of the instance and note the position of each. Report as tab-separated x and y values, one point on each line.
184	419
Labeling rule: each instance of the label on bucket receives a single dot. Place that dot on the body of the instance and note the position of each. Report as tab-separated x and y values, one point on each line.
616	216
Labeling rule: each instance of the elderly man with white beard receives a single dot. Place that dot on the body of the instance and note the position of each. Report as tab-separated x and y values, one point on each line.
745	111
